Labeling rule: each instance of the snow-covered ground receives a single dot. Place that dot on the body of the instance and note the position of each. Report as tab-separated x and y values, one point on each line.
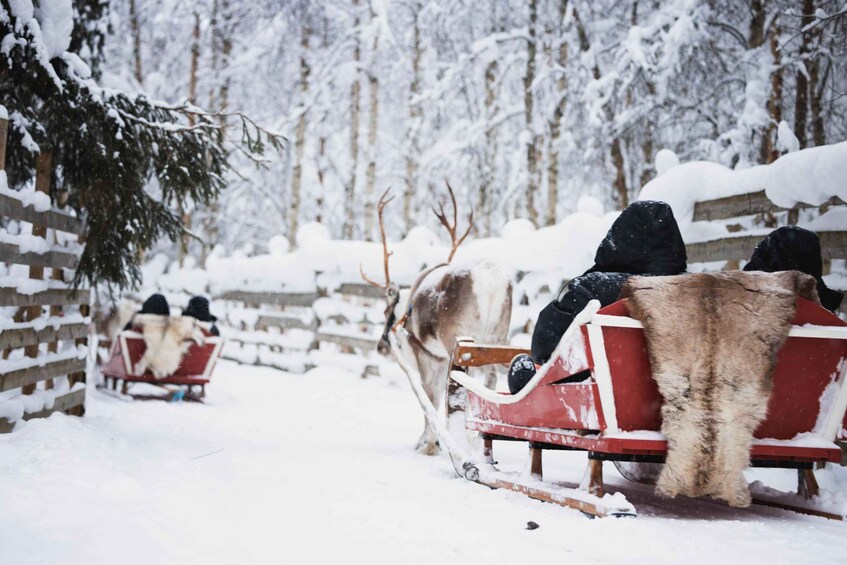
320	468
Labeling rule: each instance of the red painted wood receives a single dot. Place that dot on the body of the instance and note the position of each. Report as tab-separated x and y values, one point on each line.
805	367
190	371
567	406
633	446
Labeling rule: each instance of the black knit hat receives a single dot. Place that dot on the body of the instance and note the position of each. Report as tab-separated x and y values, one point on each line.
156	304
198	307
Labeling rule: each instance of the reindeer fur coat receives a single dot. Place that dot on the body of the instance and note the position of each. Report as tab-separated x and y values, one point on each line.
167	339
713	340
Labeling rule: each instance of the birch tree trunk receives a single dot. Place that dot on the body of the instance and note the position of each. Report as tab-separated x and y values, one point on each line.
415	114
817	92
769	154
529	78
182	251
620	191
373	122
801	96
299	140
556	122
135	28
355	90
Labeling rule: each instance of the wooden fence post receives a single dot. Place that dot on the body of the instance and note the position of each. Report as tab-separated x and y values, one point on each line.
43	172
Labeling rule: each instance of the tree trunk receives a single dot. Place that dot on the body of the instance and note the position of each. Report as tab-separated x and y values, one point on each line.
620	192
413	133
135	29
299	140
556	122
355	89
757	24
373	122
769	154
529	78
184	238
486	187
801	97
817	91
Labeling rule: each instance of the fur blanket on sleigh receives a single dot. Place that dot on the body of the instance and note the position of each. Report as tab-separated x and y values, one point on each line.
167	338
713	340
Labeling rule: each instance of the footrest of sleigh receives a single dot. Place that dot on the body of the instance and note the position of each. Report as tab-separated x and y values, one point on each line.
181	393
592	506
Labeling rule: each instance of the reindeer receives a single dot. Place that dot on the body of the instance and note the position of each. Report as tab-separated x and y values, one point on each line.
446	301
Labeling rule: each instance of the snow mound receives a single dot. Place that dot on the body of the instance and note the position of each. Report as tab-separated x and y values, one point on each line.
811	175
590	205
665	161
517	228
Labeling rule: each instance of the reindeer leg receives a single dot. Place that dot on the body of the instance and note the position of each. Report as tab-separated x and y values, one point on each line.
428	443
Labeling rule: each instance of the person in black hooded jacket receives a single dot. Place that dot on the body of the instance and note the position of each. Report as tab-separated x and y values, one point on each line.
155	304
792	248
643	240
198	308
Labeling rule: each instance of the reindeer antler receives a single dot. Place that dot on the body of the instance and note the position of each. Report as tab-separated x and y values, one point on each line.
383	201
442	217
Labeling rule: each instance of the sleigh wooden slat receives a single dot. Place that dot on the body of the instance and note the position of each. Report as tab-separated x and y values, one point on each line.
32	375
11	338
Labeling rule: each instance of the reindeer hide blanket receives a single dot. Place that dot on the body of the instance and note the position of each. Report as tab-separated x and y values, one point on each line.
713	340
167	339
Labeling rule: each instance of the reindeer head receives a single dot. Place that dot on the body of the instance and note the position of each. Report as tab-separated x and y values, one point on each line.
392	292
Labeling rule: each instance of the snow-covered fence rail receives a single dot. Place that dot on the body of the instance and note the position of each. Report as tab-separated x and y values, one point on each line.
739	245
298	331
43	323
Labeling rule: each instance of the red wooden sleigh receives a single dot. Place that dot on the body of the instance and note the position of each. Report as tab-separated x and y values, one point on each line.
615	414
194	370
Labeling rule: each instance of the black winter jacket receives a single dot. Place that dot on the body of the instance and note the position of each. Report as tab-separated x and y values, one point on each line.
643	240
792	248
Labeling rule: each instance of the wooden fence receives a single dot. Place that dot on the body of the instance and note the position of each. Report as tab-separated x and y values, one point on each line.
47	335
739	246
344	323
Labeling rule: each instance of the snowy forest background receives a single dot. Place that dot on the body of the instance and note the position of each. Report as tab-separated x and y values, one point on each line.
523	105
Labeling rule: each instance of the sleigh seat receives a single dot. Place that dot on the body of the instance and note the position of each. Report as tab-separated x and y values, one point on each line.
615	414
194	370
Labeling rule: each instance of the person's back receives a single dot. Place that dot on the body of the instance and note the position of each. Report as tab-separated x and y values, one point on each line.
643	240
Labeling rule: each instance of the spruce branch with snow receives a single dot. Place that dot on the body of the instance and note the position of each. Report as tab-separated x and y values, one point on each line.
126	162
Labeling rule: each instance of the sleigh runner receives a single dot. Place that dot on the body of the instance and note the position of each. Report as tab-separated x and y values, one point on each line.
195	368
615	414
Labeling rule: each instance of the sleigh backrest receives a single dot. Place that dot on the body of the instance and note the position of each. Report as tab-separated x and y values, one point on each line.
809	392
198	361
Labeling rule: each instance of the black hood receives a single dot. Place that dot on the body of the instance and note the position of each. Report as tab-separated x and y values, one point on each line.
644	239
156	304
791	248
198	307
